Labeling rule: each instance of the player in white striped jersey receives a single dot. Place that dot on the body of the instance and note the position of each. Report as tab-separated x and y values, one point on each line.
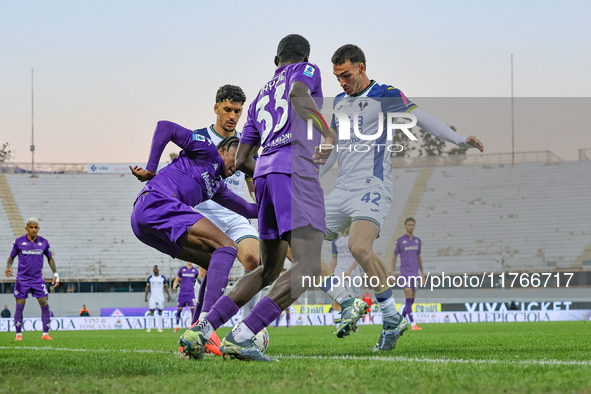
362	195
156	285
228	108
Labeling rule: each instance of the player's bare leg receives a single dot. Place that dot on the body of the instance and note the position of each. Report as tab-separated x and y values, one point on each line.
361	238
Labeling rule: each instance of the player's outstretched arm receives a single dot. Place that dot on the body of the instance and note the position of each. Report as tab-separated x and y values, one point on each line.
141	174
175	282
442	131
56	278
8	265
302	103
166	132
245	161
227	198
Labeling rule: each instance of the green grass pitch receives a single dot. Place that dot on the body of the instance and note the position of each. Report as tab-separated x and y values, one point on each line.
479	357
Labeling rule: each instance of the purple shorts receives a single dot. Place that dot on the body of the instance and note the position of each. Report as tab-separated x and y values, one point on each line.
36	287
185	300
409	281
160	221
286	202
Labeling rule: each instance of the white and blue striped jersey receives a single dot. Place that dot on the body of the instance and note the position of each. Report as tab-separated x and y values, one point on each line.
370	165
157	284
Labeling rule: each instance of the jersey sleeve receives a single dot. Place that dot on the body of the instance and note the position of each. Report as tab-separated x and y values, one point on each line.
166	132
14	251
397	248
179	274
334	248
148	281
420	246
165	283
250	135
309	74
395	101
47	251
234	202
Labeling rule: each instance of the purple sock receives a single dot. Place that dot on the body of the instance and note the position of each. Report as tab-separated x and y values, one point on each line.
408	309
199	304
178	315
45	319
262	315
221	312
220	265
18	318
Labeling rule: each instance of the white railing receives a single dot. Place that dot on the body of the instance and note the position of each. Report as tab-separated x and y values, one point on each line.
476	159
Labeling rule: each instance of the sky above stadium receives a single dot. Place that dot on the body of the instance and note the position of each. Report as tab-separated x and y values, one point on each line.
107	71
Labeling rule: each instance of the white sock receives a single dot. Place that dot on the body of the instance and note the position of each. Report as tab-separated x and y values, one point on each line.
242	333
202	316
206	328
150	321
335	288
388	307
159	320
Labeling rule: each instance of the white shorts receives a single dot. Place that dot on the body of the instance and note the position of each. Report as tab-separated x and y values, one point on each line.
345	206
353	290
236	227
155	303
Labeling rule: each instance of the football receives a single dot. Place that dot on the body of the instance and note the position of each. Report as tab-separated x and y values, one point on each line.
261	340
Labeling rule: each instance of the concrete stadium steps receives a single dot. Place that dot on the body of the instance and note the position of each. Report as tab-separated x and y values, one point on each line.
534	215
85	217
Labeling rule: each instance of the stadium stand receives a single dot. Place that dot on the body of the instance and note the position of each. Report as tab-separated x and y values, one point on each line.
534	216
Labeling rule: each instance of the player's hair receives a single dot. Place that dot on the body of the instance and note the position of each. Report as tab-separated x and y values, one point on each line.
230	92
409	220
32	220
228	142
293	48
348	52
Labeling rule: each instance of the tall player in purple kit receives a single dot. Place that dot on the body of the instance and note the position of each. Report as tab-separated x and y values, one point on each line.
289	198
187	276
163	217
409	248
30	249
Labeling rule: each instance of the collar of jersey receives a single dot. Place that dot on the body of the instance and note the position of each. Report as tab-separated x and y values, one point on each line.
216	133
371	83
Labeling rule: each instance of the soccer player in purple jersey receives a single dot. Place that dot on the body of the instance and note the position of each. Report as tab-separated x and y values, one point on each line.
187	276
409	248
30	249
289	198
163	215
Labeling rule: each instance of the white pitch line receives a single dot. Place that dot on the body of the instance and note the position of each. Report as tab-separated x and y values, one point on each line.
329	358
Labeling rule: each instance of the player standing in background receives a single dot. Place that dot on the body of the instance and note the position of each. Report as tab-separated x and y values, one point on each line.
368	300
30	249
286	182
409	248
162	215
362	195
346	269
186	276
228	108
156	286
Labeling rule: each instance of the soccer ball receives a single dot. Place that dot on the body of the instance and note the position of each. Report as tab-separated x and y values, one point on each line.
261	340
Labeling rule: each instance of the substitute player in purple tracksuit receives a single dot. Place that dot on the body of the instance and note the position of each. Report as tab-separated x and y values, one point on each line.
163	215
289	197
30	249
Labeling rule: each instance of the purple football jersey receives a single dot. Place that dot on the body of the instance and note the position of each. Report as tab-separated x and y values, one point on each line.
30	257
409	250
272	123
188	278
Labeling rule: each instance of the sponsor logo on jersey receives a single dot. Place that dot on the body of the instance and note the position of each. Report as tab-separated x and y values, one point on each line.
34	251
309	71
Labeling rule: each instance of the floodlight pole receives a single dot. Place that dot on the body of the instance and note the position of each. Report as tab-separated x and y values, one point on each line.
512	119
32	129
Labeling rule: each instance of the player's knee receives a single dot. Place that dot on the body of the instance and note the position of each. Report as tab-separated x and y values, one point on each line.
360	251
251	262
227	243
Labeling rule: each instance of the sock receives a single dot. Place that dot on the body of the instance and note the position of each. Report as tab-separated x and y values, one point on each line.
18	318
221	263
150	320
159	320
408	309
45	318
178	315
262	315
336	316
387	302
287	316
221	312
335	288
242	333
200	296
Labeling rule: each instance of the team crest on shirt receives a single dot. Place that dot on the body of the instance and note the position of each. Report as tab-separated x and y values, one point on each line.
40	243
309	71
363	104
